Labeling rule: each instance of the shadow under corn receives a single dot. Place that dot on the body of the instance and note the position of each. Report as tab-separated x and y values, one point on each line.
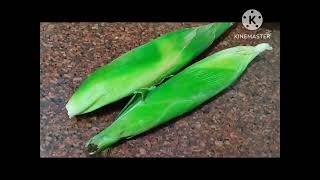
105	110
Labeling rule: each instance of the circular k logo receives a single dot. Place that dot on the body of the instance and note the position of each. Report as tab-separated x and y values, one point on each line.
252	19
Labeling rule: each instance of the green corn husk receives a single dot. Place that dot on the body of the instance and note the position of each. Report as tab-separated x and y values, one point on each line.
142	67
178	95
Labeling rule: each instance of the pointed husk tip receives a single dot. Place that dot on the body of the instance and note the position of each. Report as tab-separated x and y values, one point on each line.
262	47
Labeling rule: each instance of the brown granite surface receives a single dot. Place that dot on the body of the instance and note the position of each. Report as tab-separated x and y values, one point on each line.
244	121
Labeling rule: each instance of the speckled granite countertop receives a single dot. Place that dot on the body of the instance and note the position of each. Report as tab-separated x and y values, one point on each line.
242	122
